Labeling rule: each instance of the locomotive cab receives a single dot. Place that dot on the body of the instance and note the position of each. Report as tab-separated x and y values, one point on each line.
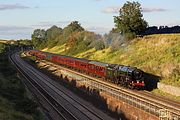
111	71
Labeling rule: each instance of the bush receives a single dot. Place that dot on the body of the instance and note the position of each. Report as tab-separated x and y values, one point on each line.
98	45
129	36
2	47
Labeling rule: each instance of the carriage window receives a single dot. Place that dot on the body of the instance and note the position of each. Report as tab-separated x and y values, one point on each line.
92	66
102	70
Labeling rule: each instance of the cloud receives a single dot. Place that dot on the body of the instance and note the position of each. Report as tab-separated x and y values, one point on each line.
36	7
12	6
99	30
153	10
112	9
44	24
48	24
15	32
173	23
64	22
12	28
115	9
15	35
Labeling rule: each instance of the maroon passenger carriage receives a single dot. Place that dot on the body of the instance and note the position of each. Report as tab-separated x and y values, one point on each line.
127	76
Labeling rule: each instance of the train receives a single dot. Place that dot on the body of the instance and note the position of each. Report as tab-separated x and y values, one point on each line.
121	75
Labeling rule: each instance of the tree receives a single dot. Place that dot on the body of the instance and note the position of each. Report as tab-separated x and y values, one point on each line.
25	42
99	44
2	47
51	35
53	32
72	27
38	37
130	21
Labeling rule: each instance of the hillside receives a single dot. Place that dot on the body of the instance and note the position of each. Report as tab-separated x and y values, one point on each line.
155	54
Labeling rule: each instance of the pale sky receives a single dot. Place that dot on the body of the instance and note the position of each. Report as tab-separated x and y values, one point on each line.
18	18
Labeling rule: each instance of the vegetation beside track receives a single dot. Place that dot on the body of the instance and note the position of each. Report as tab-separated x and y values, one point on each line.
14	103
159	92
155	54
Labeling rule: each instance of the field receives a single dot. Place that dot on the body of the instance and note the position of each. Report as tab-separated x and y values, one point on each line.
155	54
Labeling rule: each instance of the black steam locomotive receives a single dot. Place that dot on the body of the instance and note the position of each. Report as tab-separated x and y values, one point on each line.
129	77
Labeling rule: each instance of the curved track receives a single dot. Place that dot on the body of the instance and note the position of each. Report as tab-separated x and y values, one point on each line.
42	92
57	96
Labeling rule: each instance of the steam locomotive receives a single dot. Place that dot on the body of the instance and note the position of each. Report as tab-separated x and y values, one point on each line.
129	77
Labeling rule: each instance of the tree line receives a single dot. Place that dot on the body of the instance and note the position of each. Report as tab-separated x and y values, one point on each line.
75	38
128	25
162	30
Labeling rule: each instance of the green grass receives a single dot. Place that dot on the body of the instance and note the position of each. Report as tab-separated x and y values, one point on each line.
159	92
56	49
14	103
7	111
155	54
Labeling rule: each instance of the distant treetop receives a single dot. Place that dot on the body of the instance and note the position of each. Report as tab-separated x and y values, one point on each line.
74	26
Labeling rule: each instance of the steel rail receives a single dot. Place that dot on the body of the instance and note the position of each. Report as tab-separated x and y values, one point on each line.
44	77
41	89
27	78
92	112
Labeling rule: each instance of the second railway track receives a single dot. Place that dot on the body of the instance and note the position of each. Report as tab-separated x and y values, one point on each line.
48	98
71	106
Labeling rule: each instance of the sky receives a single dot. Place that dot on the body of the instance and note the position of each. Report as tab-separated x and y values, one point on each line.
19	18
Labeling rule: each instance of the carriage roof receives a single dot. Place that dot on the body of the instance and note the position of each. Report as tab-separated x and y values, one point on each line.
99	63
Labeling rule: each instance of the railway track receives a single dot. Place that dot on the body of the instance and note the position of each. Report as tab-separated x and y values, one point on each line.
47	97
79	106
160	98
45	86
142	99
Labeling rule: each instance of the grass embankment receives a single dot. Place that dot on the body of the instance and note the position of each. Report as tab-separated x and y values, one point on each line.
167	95
14	103
155	54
